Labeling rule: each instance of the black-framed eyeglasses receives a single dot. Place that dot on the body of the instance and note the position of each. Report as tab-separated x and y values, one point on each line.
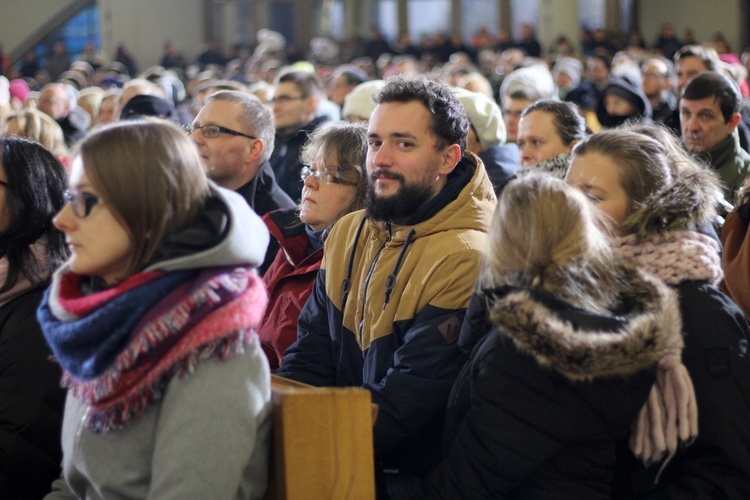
211	131
285	98
81	202
324	176
3	183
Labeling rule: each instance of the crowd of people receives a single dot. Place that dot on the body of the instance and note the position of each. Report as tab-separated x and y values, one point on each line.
537	264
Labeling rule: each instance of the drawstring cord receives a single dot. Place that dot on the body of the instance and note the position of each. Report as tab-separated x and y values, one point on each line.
346	285
390	281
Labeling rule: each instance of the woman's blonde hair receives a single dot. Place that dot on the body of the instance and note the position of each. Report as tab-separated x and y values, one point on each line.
544	234
164	175
40	127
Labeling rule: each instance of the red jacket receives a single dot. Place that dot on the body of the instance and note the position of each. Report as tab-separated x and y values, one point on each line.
289	282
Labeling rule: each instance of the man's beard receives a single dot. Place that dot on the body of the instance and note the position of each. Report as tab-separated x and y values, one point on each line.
399	206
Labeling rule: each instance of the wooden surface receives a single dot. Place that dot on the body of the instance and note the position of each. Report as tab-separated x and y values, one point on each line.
322	442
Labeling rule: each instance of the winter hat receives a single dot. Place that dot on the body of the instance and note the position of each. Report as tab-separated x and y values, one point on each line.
272	41
532	79
359	101
485	116
19	89
569	66
148	105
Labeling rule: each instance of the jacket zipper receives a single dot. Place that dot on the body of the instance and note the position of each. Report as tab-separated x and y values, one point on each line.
367	281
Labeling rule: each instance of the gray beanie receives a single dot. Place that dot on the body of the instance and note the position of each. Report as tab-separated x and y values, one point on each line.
359	101
485	116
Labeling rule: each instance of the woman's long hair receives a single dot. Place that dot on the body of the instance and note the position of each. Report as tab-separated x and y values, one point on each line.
34	194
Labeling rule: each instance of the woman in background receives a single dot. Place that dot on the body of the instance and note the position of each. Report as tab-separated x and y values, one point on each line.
656	200
40	127
153	320
32	183
334	185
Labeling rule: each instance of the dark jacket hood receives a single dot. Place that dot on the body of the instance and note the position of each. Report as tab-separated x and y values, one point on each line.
629	91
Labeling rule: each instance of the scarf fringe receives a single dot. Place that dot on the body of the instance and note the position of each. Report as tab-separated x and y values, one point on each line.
103	419
115	402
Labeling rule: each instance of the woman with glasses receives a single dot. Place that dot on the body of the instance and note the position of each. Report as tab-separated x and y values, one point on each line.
334	184
32	182
153	320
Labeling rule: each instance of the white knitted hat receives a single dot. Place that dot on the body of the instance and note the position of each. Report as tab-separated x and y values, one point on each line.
569	66
359	101
535	78
484	115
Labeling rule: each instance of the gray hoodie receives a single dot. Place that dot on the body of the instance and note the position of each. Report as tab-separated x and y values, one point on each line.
208	436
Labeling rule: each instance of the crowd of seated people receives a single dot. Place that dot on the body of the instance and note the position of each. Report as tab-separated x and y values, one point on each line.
536	264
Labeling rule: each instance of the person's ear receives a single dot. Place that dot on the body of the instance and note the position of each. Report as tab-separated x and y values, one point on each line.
451	157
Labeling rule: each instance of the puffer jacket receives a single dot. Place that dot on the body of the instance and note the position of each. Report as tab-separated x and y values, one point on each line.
386	311
549	391
289	281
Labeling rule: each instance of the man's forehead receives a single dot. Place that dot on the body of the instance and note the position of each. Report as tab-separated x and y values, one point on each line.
392	115
707	103
288	87
691	63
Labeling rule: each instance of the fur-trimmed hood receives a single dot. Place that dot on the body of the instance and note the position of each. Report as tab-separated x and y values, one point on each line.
689	202
581	345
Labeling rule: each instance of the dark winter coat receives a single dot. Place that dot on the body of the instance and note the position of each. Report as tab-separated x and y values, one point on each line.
717	464
549	391
501	163
31	403
264	195
285	158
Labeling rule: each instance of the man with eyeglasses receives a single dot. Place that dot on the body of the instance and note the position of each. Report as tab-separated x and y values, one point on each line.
295	103
234	133
657	84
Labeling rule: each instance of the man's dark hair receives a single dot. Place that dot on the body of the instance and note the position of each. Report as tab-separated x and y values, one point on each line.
307	83
351	74
718	86
568	121
37	182
708	55
605	59
449	122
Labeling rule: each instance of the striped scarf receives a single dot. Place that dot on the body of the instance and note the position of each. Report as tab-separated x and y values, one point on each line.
120	347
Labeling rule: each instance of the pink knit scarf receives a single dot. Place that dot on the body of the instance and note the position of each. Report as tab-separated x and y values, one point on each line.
670	415
674	257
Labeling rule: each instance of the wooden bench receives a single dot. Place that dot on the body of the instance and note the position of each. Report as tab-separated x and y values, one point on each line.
322	442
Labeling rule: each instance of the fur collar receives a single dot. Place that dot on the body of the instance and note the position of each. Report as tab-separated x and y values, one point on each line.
585	346
688	203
